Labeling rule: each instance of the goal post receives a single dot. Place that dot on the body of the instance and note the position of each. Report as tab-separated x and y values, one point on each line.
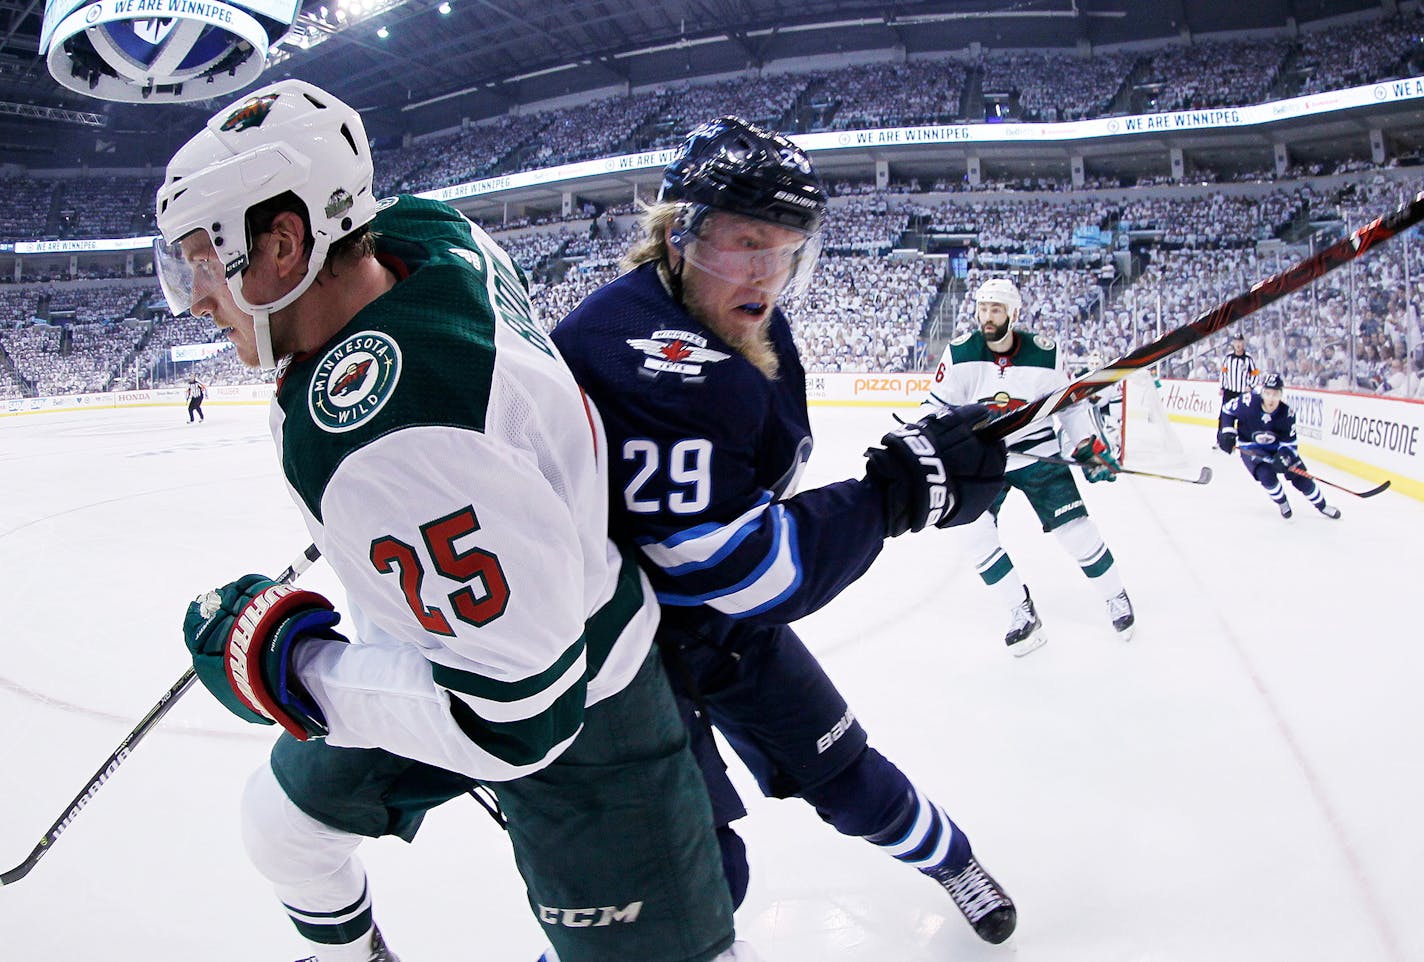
1134	422
1146	436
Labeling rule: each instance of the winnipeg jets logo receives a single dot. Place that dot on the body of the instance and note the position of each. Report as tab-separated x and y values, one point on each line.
676	352
152	32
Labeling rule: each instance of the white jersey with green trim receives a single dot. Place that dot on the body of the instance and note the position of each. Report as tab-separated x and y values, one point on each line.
969	373
454	476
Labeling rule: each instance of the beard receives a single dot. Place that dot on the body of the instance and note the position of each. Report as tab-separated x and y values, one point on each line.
995	333
752	343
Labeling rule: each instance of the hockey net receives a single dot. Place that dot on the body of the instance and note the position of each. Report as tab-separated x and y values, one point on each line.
1137	426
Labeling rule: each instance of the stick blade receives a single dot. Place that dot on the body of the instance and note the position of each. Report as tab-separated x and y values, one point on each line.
1374	491
18	872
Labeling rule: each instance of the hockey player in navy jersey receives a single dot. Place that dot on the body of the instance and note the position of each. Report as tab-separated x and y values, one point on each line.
692	364
1261	424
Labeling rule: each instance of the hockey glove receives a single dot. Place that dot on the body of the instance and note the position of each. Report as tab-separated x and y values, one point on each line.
241	638
1226	439
1097	460
936	471
1288	459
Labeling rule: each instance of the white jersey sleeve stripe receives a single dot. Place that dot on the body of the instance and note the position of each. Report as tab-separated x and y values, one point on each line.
706	544
364	680
498	701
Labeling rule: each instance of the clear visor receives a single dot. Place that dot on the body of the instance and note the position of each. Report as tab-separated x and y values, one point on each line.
779	271
189	270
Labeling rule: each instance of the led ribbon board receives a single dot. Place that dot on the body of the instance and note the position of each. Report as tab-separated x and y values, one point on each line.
161	50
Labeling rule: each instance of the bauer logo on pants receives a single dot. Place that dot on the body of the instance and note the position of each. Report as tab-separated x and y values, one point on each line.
353	381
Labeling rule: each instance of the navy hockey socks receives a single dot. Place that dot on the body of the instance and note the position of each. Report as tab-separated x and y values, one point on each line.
874	800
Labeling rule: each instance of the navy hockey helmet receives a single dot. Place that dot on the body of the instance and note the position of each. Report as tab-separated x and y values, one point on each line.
729	164
1273	382
732	166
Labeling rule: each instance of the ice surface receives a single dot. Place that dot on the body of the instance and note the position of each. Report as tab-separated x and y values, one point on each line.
1241	781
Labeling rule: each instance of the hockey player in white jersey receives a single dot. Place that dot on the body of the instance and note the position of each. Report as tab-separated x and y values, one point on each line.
452	474
1004	368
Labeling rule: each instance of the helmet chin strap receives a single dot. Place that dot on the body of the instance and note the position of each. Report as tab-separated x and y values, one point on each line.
262	313
1005	342
262	334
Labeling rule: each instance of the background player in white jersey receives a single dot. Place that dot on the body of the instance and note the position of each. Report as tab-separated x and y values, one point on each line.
450	471
1004	368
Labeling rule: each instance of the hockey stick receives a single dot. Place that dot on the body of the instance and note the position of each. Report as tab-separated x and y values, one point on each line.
1306	474
126	747
1261	294
1340	487
1203	478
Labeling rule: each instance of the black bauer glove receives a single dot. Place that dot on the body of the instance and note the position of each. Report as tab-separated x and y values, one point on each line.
1226	439
1287	459
936	471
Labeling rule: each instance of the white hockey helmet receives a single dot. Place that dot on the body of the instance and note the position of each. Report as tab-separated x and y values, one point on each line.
287	136
1000	290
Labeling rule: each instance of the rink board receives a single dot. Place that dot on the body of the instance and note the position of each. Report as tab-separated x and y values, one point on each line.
1371	437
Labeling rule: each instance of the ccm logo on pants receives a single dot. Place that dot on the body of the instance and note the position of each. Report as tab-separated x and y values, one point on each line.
586	918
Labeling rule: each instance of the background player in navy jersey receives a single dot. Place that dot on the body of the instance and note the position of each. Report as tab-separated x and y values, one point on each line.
1262	425
693	367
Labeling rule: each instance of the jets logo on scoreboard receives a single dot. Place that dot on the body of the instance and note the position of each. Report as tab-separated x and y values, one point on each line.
353	381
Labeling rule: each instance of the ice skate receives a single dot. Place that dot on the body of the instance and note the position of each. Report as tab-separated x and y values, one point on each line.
379	951
739	952
987	906
1285	508
1026	630
1120	611
1329	510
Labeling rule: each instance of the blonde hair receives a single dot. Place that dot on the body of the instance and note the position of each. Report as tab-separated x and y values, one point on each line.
654	220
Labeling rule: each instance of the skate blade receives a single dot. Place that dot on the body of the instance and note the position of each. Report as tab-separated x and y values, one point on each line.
1033	642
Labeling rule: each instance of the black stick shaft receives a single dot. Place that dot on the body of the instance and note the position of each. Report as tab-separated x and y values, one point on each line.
1306	474
1263	293
126	747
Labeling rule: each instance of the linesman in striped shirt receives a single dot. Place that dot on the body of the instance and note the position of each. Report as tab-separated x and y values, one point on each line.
1238	374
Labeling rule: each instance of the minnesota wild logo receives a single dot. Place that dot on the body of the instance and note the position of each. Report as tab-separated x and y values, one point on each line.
250	113
353	381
